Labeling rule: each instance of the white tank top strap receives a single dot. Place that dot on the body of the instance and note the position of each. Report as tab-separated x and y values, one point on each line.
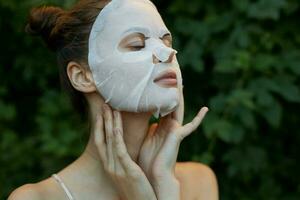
64	187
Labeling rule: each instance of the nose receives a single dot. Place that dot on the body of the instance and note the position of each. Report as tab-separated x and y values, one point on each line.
163	54
156	60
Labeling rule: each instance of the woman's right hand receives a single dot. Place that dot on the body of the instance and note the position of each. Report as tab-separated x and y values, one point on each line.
128	177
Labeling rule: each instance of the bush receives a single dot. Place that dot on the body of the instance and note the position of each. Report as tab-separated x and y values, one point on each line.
239	57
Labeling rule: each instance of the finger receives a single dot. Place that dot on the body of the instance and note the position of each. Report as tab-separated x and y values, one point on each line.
117	126
152	129
108	123
123	156
99	138
193	125
165	125
118	121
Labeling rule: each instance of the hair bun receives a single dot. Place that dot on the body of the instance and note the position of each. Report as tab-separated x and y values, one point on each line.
42	21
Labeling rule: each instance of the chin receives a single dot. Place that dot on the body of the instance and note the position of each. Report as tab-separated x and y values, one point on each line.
168	105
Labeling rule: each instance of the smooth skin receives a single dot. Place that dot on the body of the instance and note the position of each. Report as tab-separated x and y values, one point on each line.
125	158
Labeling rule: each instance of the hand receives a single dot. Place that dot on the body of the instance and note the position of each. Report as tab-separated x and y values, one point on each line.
159	151
125	173
173	133
154	141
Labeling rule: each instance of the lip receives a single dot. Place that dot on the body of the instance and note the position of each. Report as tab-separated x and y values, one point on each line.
166	78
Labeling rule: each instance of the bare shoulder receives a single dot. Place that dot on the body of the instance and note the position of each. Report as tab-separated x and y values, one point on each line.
43	190
198	181
26	192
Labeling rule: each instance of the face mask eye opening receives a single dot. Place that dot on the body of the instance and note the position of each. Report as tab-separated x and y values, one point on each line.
167	40
133	42
136	48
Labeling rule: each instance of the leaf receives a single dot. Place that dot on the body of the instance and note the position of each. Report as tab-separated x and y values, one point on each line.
266	9
191	56
219	23
225	66
264	99
225	130
7	111
241	5
245	161
285	87
264	62
241	97
242	59
291	60
245	116
270	109
218	103
282	85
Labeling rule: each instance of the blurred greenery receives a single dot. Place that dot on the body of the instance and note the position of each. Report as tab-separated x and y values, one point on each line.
239	57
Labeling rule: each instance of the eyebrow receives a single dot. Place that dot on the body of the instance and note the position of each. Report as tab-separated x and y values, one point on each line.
143	30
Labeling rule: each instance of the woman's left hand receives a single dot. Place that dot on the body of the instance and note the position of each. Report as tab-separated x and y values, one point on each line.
159	152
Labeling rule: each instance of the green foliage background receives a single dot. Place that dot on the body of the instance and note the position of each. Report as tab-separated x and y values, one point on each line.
239	57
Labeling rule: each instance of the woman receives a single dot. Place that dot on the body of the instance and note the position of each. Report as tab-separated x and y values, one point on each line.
117	60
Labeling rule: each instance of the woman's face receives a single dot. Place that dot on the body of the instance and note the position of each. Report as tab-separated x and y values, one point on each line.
132	60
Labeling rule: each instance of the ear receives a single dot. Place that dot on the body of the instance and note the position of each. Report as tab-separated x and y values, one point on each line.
81	77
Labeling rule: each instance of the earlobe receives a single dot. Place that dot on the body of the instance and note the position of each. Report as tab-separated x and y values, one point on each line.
80	77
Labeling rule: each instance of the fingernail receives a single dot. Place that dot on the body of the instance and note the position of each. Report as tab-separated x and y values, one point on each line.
206	109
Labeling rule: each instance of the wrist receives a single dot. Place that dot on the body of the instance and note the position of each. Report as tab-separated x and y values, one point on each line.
167	190
162	175
166	187
166	181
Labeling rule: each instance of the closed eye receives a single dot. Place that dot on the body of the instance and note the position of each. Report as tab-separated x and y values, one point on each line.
167	39
133	42
136	45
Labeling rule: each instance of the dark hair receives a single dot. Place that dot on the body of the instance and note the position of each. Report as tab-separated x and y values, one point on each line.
66	32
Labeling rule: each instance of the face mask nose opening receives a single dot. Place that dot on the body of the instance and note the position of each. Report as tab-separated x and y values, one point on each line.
163	54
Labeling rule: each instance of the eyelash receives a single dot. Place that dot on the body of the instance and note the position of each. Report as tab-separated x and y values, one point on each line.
139	47
136	45
136	48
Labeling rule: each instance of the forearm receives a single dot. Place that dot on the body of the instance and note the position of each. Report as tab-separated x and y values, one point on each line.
167	188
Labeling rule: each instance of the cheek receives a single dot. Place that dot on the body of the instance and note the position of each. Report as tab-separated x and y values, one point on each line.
128	67
178	72
136	67
161	96
136	57
125	78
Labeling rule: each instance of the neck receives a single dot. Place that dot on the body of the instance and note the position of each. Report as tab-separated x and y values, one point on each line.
89	164
135	128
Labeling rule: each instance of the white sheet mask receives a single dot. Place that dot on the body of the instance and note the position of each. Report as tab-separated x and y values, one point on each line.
125	78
